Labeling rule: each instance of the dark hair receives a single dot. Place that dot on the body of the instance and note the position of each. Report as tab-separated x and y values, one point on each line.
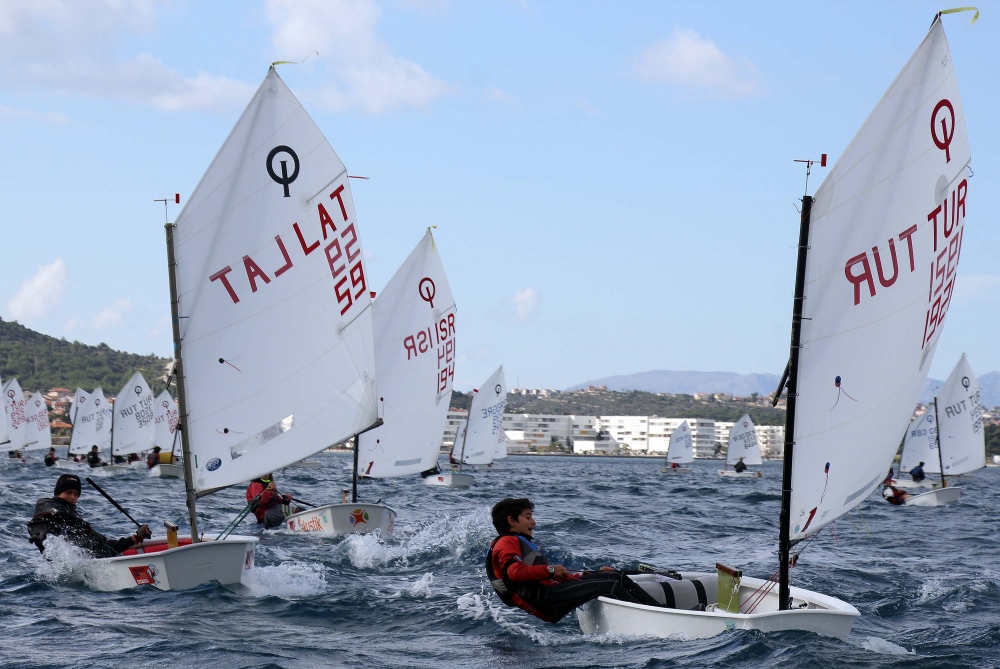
509	507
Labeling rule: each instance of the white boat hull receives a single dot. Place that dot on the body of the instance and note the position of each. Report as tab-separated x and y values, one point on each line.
186	566
306	464
450	480
676	470
166	471
910	484
338	519
938	497
821	614
741	475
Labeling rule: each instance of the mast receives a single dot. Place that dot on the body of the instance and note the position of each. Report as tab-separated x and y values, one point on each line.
192	496
784	543
354	473
937	440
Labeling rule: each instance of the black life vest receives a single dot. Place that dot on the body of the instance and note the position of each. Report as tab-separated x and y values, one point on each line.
503	586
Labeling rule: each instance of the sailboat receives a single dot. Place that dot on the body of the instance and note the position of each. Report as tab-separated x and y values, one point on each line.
133	428
414	329
680	451
919	446
166	437
37	431
743	445
482	434
877	253
13	420
960	446
272	311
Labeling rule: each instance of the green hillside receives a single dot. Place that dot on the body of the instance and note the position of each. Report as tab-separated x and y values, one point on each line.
41	362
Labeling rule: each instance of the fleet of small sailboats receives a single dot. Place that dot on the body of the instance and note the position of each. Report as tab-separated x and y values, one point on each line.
281	351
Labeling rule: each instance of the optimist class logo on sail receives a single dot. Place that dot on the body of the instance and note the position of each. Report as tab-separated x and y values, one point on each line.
946	223
440	336
341	249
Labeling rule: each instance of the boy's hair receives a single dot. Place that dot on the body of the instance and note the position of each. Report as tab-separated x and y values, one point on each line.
509	507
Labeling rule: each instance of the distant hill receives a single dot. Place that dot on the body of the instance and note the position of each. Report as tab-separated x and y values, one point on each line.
744	385
41	362
688	383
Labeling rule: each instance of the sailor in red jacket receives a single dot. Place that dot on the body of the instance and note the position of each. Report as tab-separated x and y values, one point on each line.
521	577
272	506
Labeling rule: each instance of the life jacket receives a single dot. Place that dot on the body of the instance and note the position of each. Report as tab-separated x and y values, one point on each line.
503	586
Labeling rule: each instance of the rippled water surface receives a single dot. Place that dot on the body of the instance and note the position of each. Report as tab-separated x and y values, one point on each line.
926	580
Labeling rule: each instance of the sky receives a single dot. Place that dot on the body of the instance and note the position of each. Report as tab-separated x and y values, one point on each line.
613	184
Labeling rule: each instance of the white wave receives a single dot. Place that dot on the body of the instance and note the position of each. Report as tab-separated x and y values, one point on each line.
68	563
884	646
286	580
478	606
422	588
457	535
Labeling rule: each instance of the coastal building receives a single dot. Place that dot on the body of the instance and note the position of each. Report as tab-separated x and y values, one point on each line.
637	435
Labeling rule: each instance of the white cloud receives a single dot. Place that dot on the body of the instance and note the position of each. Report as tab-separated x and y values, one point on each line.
41	293
75	49
110	315
501	96
15	114
107	317
692	62
366	74
525	303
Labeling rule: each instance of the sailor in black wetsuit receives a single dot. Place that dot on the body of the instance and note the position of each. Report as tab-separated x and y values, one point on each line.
57	516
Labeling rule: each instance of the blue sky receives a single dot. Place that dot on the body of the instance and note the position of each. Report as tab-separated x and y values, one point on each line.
612	183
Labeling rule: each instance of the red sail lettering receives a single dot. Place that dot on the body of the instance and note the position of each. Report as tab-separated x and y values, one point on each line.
253	271
302	242
221	276
284	254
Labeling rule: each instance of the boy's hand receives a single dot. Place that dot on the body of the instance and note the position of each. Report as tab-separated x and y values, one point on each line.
559	571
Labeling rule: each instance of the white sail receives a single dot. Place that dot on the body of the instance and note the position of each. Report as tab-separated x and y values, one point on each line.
414	324
500	450
134	420
681	447
743	443
102	420
960	422
13	409
4	430
459	443
274	305
920	444
165	418
485	426
37	431
81	416
884	240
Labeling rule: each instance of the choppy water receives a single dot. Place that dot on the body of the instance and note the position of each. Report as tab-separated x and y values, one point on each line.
926	580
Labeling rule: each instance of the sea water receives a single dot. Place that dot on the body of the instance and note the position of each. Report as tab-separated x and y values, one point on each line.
926	580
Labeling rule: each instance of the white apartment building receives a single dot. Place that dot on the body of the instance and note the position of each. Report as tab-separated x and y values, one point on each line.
629	434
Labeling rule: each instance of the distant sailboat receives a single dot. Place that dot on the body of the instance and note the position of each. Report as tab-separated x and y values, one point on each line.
133	425
482	434
743	445
166	437
960	436
680	451
37	431
13	419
